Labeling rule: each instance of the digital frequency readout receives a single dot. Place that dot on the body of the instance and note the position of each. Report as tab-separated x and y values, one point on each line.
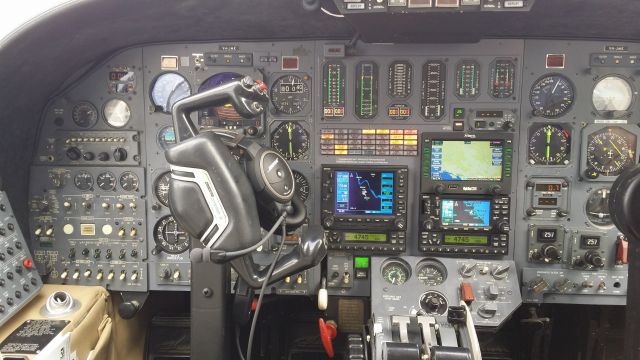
364	192
466	160
465	213
349	236
466	240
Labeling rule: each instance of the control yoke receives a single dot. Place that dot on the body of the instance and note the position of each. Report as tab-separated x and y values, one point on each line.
624	207
214	200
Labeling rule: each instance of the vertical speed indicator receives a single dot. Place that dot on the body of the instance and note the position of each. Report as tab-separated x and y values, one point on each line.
333	79
432	102
366	90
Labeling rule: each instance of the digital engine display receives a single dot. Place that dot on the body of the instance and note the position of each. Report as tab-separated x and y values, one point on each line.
467	160
350	236
465	213
466	240
364	192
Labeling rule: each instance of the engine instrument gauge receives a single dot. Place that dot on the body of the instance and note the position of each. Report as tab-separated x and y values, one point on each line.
117	113
166	137
290	94
106	181
468	80
502	78
291	140
129	181
302	185
169	237
549	144
551	96
400	76
167	89
83	180
366	90
84	114
597	208
612	96
610	151
161	188
224	116
333	84
395	272
432	102
431	273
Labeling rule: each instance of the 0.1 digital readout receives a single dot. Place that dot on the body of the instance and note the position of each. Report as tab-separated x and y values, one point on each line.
466	239
365	237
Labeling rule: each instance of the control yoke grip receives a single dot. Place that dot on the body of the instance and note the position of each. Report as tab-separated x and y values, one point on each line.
248	97
309	253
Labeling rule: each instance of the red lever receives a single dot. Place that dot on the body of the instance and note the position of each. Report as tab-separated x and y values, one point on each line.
262	85
328	332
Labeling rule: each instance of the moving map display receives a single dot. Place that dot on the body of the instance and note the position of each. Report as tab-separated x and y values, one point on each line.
364	192
467	160
467	213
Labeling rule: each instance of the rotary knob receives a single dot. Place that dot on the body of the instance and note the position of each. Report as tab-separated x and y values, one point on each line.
550	252
400	224
538	285
563	285
328	221
496	189
593	258
467	270
500	272
439	189
428	225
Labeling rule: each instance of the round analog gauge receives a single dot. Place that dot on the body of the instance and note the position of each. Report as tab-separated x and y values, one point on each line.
129	181
551	96
106	181
431	273
117	113
224	116
433	302
612	96
610	151
395	272
169	237
167	89
166	137
83	180
549	144
84	114
161	188
598	208
290	94
291	140
302	185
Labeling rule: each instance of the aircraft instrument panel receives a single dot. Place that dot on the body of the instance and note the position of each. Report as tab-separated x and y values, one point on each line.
489	162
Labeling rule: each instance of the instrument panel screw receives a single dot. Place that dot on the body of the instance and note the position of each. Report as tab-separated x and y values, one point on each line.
207	292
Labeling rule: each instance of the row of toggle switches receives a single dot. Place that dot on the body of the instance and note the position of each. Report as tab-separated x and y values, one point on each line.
135	275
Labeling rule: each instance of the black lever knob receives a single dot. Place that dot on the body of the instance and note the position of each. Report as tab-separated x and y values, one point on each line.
128	309
120	154
593	258
73	153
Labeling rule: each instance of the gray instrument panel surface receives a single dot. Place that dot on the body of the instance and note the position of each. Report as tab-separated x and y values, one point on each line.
18	276
267	63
